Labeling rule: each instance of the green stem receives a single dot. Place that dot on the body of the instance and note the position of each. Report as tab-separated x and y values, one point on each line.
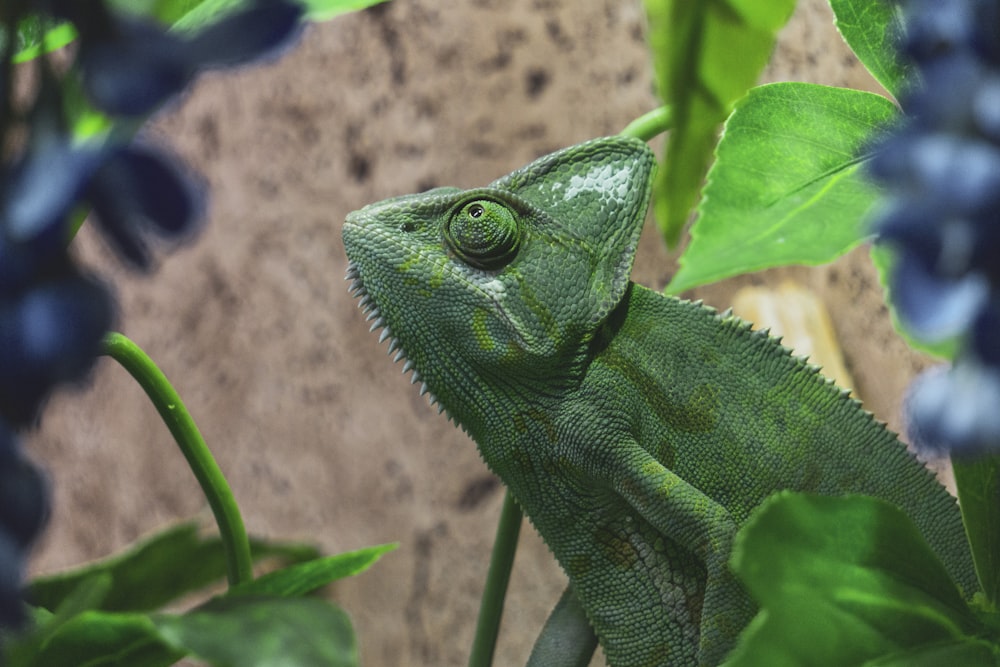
213	483
650	124
978	483
501	562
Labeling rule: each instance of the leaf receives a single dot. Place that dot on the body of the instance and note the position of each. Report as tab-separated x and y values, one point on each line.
965	652
706	55
324	10
244	631
978	483
872	29
193	14
46	39
306	577
160	569
786	187
841	581
100	639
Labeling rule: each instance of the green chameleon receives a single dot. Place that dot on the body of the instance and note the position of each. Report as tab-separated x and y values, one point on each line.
636	431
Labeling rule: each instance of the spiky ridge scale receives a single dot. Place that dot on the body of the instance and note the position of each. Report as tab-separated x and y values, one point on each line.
367	304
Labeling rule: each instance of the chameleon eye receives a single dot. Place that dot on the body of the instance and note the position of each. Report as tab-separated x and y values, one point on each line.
484	233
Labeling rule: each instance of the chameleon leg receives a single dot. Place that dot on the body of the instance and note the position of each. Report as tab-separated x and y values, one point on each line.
567	640
700	525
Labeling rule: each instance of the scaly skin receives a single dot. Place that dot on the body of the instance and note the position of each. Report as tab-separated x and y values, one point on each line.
636	431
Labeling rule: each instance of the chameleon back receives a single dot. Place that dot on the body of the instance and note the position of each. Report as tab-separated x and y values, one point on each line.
636	431
739	417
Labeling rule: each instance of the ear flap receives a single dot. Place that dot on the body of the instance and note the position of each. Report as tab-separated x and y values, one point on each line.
598	192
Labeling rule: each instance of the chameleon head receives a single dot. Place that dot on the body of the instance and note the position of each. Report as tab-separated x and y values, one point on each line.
489	287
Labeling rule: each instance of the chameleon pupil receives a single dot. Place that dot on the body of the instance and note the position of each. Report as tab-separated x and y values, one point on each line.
484	233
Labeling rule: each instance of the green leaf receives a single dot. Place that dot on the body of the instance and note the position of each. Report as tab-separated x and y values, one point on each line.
884	259
786	187
162	568
841	581
192	14
324	10
706	55
244	631
306	577
871	28
978	483
42	38
99	639
965	652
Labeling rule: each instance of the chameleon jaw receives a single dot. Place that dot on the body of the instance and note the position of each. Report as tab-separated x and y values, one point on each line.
373	314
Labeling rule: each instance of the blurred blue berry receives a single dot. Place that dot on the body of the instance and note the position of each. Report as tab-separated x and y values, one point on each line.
135	190
24	502
941	170
49	334
11	572
130	66
955	410
23	512
41	184
936	308
138	191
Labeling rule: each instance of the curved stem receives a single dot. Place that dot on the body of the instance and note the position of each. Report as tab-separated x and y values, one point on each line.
501	562
650	124
213	483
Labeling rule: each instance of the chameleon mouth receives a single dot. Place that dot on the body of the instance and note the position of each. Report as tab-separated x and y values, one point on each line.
368	305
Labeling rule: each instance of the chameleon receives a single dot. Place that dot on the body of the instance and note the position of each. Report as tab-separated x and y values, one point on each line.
637	431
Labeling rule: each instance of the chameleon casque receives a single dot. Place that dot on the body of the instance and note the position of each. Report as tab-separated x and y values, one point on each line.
636	431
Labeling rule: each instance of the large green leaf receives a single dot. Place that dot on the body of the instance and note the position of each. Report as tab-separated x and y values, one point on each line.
99	639
841	581
306	577
964	652
786	187
162	568
245	631
706	55
978	483
871	28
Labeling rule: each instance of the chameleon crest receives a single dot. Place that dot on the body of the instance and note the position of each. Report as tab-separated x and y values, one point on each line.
636	431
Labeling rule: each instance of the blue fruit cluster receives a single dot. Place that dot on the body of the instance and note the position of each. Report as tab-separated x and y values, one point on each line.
53	314
942	170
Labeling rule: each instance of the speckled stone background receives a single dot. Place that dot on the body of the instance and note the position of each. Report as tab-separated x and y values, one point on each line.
321	437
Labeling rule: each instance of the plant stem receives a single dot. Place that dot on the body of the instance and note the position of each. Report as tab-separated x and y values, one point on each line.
650	124
978	482
501	562
213	483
